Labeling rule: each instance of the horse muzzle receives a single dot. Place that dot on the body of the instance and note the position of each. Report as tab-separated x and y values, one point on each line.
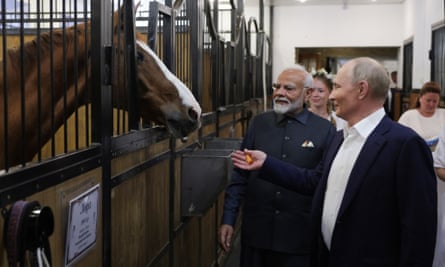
181	128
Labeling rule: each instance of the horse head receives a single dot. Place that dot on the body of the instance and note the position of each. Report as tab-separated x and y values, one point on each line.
162	97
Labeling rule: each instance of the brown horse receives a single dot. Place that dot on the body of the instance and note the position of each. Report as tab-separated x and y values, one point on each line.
162	97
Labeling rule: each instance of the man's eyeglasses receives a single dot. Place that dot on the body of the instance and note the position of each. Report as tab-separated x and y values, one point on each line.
287	87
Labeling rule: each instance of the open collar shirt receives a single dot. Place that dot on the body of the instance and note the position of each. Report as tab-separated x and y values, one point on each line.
354	139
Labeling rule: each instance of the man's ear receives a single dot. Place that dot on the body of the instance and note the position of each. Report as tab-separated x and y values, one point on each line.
363	89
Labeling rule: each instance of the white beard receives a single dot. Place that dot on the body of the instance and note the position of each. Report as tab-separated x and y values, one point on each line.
287	108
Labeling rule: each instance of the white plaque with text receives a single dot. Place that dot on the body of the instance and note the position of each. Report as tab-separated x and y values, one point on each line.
81	231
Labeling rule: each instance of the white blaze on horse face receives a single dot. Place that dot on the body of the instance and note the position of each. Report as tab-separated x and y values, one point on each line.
184	92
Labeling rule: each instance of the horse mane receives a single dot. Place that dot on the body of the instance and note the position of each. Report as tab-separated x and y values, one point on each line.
42	45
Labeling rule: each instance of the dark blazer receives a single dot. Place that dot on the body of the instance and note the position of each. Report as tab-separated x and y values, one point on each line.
273	217
389	210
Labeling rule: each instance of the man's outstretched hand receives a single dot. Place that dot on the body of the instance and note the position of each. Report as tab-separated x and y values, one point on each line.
248	159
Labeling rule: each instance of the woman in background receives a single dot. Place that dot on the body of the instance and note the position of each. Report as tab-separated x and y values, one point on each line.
439	165
429	122
426	119
318	99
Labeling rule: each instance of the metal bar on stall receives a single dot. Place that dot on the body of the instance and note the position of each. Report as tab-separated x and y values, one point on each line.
130	66
5	88
39	84
52	78
101	106
22	87
65	78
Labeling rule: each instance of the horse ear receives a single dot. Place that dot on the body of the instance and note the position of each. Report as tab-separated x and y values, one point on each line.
119	18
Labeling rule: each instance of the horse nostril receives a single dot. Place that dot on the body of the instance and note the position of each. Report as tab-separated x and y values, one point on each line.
193	114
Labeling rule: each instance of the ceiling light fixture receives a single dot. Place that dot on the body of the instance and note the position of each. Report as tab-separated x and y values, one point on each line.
302	1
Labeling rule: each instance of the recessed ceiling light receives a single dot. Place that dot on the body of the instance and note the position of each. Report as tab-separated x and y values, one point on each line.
302	1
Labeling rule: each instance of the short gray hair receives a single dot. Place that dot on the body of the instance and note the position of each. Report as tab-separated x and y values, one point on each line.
374	73
308	80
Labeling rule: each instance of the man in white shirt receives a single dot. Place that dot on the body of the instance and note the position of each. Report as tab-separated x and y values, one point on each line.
375	201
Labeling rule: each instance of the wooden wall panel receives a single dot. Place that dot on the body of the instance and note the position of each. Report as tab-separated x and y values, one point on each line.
208	90
140	209
57	198
186	246
140	217
209	240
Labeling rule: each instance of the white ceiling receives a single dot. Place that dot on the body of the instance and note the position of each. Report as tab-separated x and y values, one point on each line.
321	2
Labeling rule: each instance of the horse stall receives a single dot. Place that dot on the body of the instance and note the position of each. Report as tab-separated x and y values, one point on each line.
113	114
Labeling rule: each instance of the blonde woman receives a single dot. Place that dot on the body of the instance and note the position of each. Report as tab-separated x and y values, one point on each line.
318	99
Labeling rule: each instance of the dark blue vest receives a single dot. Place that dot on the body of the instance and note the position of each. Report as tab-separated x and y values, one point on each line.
273	217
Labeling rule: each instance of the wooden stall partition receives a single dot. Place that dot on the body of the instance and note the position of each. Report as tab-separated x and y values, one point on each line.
184	66
208	129
58	198
207	95
140	218
140	209
229	131
209	237
177	218
236	124
197	243
186	245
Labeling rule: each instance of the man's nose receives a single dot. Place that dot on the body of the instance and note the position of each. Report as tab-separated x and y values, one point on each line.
280	91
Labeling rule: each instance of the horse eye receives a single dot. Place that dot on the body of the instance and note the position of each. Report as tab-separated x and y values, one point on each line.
139	57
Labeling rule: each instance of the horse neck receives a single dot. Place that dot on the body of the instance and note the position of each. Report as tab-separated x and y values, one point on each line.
64	76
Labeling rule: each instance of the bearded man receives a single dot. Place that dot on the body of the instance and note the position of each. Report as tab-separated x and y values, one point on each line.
275	221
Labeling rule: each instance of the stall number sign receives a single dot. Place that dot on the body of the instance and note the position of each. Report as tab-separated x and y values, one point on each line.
82	225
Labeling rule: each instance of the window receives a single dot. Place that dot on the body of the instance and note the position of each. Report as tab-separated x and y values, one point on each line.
13	15
438	57
53	13
408	66
29	14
